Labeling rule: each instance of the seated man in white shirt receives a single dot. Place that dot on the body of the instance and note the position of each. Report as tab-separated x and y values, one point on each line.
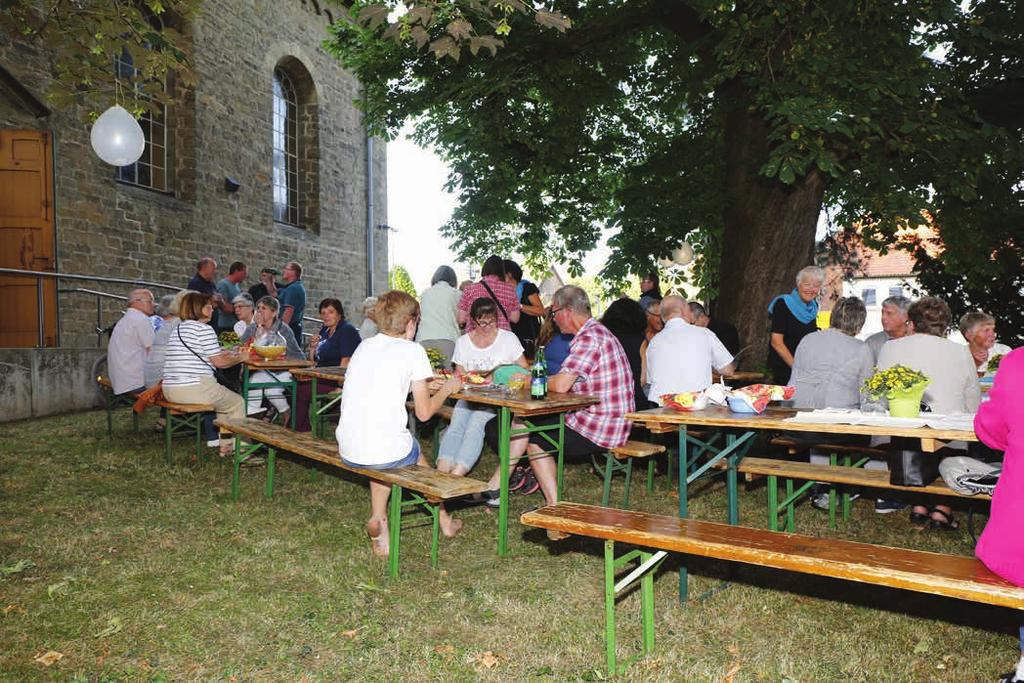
682	356
130	343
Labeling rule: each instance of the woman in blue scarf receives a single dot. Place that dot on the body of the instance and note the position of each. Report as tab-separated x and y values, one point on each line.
793	317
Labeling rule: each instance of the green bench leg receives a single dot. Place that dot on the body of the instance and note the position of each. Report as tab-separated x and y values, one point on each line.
609	606
435	532
650	475
773	503
271	461
645	572
670	467
561	455
394	529
846	494
790	514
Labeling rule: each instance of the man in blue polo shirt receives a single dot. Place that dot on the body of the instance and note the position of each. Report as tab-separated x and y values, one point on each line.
204	281
292	297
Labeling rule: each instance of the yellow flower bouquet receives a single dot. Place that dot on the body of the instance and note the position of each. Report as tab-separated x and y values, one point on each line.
903	386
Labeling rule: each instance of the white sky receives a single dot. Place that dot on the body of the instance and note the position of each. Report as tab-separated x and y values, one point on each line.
417	208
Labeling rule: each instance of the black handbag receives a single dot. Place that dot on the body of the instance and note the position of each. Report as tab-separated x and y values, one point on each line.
912	468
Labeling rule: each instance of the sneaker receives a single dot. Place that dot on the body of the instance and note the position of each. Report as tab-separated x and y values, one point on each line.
213	443
884	507
531	485
820	500
517	478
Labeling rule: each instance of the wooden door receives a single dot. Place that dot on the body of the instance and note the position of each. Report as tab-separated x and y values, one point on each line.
26	237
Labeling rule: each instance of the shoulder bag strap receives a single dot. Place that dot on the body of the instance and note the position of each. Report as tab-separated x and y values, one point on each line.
495	298
178	330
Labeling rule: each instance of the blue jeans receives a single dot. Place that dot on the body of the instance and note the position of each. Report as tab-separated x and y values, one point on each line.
462	442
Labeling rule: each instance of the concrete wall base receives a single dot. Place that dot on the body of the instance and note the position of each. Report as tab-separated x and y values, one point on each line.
38	382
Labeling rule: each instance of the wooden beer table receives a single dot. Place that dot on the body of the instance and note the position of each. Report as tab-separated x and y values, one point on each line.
255	364
335	374
742	428
520	405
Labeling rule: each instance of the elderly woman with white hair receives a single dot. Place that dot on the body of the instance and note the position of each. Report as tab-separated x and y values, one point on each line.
439	325
979	330
793	317
167	309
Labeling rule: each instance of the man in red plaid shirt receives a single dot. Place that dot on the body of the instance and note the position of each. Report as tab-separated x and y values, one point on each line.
596	366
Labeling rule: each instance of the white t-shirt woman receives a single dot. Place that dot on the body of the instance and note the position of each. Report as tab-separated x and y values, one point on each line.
373	427
483	349
372	431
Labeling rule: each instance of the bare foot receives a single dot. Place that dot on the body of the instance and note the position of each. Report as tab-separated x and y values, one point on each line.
452	529
377	530
557	535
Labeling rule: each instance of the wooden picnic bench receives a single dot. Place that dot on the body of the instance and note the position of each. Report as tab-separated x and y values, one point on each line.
840	475
948	575
178	417
427	487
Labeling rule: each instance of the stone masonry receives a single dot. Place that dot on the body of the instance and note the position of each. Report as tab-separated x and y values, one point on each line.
223	128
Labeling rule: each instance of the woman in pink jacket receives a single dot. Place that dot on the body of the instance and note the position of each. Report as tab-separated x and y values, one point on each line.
1000	425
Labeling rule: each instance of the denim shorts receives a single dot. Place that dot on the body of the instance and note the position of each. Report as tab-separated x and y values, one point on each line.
409	460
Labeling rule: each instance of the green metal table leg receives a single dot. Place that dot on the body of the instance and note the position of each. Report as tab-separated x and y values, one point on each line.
394	529
504	430
790	515
773	503
683	583
732	482
561	453
609	606
650	475
271	460
647	604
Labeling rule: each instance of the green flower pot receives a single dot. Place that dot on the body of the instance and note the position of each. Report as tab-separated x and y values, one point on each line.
906	403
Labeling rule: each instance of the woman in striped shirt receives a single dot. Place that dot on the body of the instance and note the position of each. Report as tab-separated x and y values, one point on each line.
192	355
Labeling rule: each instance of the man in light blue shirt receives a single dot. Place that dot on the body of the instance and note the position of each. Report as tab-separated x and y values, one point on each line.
228	288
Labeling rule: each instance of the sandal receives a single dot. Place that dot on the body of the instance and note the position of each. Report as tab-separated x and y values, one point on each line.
380	541
920	517
946	523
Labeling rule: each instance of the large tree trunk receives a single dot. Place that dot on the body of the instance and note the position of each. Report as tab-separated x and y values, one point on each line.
768	230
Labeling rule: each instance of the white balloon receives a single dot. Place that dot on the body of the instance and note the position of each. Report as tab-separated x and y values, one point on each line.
683	254
117	137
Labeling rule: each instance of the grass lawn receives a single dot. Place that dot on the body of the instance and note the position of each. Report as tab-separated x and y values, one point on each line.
134	570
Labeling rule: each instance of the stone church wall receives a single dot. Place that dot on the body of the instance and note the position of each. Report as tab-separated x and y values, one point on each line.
223	128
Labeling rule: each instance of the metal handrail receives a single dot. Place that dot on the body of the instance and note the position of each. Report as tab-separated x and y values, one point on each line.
40	274
91	278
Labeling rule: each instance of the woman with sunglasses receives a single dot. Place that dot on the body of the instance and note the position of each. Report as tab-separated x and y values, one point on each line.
483	348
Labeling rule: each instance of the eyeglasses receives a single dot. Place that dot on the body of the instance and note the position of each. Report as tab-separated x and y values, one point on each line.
491	322
554	311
